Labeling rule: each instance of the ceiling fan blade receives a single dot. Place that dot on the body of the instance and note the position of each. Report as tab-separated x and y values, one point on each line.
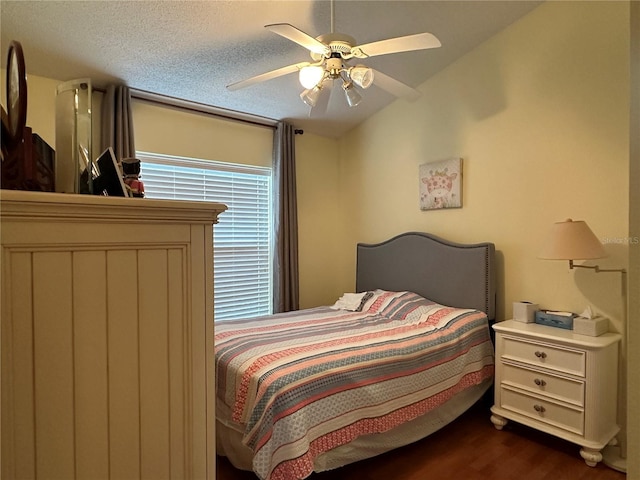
395	87
267	76
298	36
323	100
419	41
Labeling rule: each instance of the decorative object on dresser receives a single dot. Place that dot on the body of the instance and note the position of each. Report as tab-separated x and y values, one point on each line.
73	136
28	162
15	118
558	382
555	319
109	181
592	326
107	337
131	172
524	311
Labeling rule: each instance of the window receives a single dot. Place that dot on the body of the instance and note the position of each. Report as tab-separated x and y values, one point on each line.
242	238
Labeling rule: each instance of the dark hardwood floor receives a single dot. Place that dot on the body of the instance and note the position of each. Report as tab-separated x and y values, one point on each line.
470	448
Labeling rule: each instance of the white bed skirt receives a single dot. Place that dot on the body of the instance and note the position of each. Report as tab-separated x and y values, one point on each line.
229	434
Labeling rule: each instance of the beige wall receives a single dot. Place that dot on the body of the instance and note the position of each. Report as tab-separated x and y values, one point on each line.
159	129
41	108
540	115
41	104
633	361
542	126
172	131
543	129
324	258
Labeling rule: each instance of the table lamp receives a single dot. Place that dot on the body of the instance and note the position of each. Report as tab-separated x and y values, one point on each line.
574	240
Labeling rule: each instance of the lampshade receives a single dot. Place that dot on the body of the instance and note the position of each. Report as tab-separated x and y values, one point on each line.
361	76
353	97
311	75
571	240
310	96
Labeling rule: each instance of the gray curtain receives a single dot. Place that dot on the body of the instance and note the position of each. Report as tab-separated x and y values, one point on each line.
285	268
117	122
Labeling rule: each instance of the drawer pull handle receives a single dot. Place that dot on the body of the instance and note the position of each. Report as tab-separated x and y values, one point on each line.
539	382
539	408
541	354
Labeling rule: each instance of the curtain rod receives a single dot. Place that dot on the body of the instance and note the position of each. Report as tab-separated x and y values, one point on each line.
203	108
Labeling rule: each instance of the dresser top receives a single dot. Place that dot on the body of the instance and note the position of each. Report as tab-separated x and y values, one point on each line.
554	334
23	205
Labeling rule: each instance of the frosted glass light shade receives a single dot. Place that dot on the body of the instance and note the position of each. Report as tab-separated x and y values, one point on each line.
310	96
353	97
361	76
571	240
310	76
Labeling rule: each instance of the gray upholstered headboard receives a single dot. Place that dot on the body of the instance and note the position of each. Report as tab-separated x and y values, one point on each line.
449	273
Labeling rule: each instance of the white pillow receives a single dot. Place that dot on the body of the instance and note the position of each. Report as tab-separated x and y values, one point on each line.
349	301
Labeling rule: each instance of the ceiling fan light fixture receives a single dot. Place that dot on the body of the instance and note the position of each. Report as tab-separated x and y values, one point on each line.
331	54
311	95
311	75
361	76
353	97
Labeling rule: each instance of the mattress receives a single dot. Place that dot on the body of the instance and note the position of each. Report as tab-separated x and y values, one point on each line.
298	389
229	434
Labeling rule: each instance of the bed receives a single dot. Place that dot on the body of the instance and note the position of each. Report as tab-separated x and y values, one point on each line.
402	356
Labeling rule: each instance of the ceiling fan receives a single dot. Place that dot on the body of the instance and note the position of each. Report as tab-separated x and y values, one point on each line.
331	55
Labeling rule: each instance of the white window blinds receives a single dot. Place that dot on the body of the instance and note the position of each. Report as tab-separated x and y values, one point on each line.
242	238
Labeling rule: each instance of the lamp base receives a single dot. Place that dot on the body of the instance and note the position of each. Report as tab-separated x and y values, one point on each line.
612	459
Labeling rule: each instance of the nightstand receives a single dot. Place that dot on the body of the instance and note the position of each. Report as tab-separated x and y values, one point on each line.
558	382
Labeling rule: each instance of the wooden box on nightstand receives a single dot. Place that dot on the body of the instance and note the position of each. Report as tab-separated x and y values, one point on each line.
559	382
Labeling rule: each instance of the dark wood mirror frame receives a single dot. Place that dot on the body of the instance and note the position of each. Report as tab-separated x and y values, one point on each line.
16	92
28	162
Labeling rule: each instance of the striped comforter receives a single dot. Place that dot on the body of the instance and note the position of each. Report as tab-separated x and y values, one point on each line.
303	383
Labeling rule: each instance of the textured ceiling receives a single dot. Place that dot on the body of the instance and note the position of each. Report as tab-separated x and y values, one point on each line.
191	49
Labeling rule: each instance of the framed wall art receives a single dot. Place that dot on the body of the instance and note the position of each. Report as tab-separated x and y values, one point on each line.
441	184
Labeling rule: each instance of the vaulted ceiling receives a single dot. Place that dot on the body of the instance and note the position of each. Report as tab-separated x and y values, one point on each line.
192	49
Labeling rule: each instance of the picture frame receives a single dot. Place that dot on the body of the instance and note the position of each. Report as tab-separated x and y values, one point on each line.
441	184
109	182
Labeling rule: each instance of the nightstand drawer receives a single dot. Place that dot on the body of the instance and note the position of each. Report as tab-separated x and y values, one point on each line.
559	416
544	355
537	382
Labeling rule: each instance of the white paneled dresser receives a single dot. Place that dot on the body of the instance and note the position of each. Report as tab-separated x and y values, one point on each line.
558	382
107	337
